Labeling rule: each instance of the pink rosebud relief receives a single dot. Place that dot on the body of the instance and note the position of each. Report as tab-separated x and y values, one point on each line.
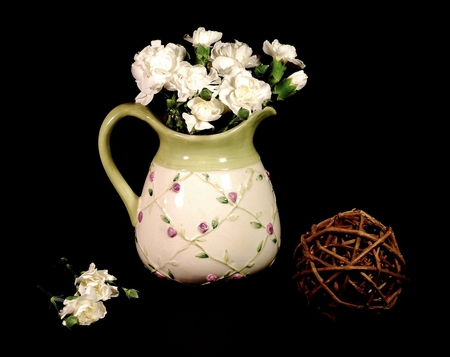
152	176
211	277
171	232
203	227
176	187
140	216
232	196
237	276
268	175
159	275
269	228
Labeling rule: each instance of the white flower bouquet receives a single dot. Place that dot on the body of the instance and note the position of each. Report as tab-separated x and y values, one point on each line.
86	306
218	86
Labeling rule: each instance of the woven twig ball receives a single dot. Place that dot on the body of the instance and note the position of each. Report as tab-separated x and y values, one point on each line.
349	262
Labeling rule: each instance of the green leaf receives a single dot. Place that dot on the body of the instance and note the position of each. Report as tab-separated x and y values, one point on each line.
170	122
150	191
215	222
260	70
165	218
176	177
222	199
259	177
170	274
171	103
249	184
256	225
202	255
267	102
206	177
180	124
274	240
260	245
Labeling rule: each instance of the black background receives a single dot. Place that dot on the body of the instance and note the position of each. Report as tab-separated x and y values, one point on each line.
347	140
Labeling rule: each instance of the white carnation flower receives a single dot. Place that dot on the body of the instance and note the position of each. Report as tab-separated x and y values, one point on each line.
189	80
202	112
242	90
240	52
97	280
298	79
203	37
86	308
284	53
154	66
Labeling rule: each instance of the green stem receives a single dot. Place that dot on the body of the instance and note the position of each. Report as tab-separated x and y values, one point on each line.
53	299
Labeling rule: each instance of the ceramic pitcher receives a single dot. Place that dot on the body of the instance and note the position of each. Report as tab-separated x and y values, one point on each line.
207	211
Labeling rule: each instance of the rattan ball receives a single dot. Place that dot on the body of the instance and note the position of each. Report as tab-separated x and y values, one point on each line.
349	262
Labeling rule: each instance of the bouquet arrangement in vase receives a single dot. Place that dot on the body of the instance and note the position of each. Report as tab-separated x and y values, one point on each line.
218	84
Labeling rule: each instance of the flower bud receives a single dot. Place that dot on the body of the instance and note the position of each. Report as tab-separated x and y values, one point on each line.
131	293
290	85
206	94
284	89
299	79
243	114
71	321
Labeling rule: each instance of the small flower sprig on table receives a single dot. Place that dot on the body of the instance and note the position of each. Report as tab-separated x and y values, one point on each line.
224	83
86	305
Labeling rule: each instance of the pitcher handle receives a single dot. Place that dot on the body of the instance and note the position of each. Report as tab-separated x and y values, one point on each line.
129	198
